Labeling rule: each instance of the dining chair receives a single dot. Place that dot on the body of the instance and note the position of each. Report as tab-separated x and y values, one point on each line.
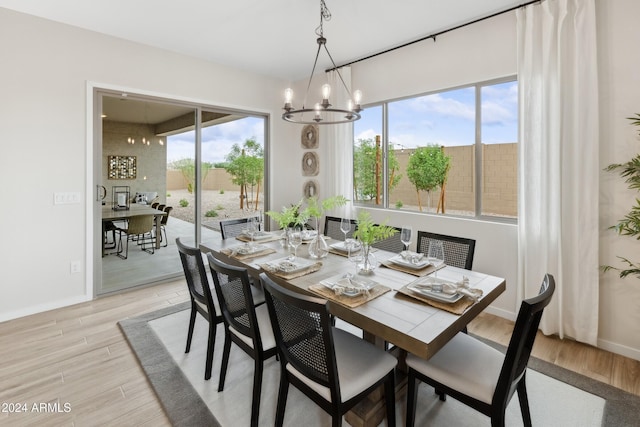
139	229
391	244
233	227
163	225
202	300
245	324
458	251
332	367
478	375
332	228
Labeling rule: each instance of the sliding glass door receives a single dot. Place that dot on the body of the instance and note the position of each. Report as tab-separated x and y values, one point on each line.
181	159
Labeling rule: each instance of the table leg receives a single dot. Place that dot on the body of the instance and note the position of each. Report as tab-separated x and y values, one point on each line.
158	221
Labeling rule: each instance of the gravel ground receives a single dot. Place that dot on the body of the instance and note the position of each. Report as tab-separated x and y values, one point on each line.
227	205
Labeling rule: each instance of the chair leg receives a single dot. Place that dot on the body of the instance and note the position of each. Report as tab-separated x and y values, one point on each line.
211	342
412	398
119	251
282	397
192	322
166	242
441	395
225	359
390	400
257	388
524	403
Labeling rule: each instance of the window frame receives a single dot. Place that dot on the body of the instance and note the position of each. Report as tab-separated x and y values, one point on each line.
477	148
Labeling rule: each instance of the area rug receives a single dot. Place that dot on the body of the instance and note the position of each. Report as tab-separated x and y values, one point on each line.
557	397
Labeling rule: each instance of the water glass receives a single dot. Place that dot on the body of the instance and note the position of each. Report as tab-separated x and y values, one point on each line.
405	236
435	254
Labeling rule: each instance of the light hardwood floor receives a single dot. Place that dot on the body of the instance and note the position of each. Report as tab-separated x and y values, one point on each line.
77	355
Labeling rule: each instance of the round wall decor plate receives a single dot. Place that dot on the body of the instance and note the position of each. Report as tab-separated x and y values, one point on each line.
309	136
310	189
310	166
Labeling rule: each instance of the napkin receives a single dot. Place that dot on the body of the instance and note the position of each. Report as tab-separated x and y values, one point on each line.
413	257
460	287
348	286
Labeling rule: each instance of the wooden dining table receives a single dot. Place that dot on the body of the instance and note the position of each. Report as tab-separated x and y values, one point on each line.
136	209
393	317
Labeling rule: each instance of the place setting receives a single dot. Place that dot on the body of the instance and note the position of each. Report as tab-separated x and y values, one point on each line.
416	263
454	297
292	266
349	289
247	251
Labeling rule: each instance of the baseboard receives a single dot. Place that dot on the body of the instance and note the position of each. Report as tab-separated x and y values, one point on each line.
501	313
623	350
43	307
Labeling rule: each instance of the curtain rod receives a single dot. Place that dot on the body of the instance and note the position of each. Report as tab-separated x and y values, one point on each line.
433	36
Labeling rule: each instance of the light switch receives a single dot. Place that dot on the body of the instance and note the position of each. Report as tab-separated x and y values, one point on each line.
66	198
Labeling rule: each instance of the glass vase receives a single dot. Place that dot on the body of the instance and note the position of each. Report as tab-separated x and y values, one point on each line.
369	261
318	247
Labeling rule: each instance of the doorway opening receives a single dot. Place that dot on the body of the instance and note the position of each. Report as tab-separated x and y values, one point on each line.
178	161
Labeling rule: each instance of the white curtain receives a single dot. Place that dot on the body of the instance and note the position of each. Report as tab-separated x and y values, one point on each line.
339	146
558	162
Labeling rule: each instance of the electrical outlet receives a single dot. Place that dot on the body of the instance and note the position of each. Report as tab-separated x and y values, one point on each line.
76	267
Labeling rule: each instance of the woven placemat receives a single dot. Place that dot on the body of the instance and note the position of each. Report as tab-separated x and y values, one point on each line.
457	307
416	272
239	256
271	238
311	269
350	302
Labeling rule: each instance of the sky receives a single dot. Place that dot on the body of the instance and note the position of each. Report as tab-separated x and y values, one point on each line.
446	118
216	140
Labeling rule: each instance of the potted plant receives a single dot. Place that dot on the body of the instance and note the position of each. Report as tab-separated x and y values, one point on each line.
318	247
369	233
288	217
630	224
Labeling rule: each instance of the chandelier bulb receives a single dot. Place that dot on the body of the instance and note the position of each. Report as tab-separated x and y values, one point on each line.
288	97
317	117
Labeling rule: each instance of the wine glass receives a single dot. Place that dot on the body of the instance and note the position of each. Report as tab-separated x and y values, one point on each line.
405	237
251	229
435	254
355	255
345	227
295	239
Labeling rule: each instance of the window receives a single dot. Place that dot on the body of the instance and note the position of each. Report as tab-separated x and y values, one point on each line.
452	152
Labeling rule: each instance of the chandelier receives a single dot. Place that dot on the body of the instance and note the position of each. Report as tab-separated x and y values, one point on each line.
323	112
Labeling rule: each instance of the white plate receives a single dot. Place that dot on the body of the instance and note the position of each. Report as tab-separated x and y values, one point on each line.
309	235
397	259
287	266
260	235
344	282
437	296
340	246
248	250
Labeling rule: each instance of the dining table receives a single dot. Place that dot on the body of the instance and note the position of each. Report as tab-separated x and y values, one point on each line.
390	313
135	209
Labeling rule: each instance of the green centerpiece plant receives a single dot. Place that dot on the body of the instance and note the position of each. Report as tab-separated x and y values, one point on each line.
316	208
369	233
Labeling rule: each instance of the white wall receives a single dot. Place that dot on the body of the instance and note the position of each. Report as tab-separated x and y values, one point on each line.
44	77
619	73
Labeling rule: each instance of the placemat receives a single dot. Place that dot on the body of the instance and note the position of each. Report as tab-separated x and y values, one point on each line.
416	272
239	256
311	269
457	307
272	238
350	302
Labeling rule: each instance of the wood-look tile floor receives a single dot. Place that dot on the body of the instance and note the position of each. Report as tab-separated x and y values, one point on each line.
78	356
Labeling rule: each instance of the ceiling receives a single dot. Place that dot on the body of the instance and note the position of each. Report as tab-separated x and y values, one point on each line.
275	37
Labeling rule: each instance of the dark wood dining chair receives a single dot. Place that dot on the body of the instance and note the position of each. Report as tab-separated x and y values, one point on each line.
332	367
233	227
202	300
332	228
478	375
458	251
245	324
391	244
